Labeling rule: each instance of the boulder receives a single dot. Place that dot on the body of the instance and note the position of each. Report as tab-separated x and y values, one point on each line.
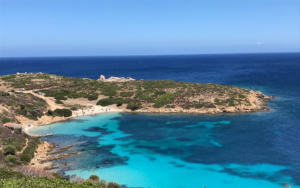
102	78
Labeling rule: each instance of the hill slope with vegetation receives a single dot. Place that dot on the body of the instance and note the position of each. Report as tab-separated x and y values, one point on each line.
40	179
16	147
139	95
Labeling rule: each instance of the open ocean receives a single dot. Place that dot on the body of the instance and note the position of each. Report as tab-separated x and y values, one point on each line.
178	150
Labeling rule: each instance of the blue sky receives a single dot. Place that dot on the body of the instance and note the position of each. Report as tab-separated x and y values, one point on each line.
147	27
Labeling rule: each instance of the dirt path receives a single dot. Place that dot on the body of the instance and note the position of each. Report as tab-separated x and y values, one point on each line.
49	100
26	144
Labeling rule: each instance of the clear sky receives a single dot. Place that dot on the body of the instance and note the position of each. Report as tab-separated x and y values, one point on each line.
147	27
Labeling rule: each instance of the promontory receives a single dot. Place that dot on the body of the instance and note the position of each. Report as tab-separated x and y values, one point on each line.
45	98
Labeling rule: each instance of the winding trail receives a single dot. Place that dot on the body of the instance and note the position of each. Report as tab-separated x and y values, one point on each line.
26	144
49	100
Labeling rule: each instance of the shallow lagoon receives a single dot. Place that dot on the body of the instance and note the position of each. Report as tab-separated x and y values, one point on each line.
150	150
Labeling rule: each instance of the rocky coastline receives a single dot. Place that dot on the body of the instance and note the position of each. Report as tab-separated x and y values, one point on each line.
45	155
257	101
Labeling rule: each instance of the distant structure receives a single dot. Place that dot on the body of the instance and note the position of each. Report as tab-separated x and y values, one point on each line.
115	79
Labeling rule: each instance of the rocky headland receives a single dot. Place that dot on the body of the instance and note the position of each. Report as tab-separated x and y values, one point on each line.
36	98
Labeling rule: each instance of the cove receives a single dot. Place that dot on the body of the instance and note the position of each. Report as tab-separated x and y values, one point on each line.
174	150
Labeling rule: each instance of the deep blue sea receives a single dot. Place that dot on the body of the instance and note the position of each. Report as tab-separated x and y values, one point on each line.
184	151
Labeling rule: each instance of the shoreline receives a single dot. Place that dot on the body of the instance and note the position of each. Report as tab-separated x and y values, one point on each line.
158	111
42	154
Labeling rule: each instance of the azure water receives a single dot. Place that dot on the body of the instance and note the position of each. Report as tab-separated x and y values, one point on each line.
150	150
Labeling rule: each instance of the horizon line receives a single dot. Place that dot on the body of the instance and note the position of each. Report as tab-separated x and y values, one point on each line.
66	56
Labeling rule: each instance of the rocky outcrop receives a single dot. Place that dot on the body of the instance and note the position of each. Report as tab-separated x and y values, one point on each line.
49	166
115	79
58	157
102	78
60	150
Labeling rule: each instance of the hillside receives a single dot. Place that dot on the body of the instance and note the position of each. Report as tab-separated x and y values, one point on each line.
16	147
28	177
160	96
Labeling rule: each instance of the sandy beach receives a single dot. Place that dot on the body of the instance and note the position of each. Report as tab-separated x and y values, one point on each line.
88	108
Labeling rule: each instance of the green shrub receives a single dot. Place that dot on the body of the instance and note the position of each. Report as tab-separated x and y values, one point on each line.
63	112
60	97
210	106
126	94
57	176
105	102
102	183
109	90
11	160
31	117
242	96
93	97
12	179
22	112
156	93
133	107
30	149
75	95
4	94
36	113
164	100
199	105
119	103
74	108
9	174
25	158
10	150
5	120
1	156
58	102
219	102
113	185
16	142
49	113
94	177
170	106
231	103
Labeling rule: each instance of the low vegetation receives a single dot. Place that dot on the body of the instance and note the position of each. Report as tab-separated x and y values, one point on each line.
40	179
17	151
137	94
26	105
18	147
62	112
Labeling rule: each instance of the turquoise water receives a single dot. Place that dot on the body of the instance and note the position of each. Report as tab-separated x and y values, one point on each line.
166	156
150	150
